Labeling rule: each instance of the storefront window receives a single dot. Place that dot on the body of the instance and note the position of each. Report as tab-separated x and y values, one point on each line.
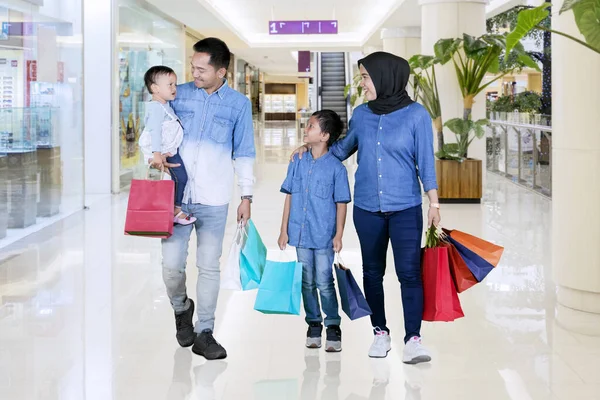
146	38
41	113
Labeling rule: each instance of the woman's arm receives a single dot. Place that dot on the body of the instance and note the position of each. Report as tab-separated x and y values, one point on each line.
426	166
344	148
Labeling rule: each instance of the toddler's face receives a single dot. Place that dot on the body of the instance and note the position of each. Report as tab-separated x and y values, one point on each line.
313	133
166	87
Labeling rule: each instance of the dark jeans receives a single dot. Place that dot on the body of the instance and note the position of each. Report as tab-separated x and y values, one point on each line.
405	229
179	176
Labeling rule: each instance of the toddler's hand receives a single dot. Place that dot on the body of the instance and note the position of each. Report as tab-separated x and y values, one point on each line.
283	240
157	161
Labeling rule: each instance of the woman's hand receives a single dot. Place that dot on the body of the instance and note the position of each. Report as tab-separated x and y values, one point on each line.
433	217
300	151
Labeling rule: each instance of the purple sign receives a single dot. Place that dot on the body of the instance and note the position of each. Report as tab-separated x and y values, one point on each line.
303	27
304	61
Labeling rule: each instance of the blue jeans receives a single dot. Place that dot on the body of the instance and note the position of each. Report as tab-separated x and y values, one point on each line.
210	229
404	229
317	273
179	176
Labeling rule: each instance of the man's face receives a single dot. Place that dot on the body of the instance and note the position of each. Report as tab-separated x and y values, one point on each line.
205	75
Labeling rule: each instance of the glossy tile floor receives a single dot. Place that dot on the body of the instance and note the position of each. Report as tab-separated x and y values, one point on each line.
83	315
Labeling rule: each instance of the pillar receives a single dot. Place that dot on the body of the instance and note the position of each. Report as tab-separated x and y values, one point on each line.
403	42
371	49
575	182
443	19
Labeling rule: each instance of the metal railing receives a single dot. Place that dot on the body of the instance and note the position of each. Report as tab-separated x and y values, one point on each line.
519	148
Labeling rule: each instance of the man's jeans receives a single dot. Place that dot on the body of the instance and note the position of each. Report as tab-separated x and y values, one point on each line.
317	273
210	229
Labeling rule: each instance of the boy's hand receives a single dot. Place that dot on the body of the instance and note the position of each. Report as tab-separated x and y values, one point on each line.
157	161
283	240
337	244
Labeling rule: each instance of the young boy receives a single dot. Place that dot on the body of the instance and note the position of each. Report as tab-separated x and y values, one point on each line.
313	221
163	133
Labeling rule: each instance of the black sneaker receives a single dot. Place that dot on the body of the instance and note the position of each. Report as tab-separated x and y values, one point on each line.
206	346
185	327
313	335
334	339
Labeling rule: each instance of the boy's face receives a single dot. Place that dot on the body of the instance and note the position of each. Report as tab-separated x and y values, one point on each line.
313	133
165	87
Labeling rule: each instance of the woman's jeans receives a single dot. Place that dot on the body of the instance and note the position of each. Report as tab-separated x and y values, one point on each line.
405	230
317	273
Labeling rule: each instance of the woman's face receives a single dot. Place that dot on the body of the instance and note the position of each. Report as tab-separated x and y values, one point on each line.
367	84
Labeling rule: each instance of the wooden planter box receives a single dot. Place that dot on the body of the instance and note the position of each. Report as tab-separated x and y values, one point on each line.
459	182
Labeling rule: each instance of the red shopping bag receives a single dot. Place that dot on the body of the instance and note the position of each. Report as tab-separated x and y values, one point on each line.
440	296
150	208
461	274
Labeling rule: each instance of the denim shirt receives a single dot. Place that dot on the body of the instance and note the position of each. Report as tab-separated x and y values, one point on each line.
394	151
316	187
218	140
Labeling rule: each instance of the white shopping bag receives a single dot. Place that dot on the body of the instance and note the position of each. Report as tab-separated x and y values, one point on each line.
231	275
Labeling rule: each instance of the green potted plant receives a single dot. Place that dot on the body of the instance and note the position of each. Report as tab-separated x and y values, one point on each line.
460	177
426	91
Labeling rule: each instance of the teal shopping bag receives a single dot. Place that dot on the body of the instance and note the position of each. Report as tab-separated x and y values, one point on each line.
280	289
252	258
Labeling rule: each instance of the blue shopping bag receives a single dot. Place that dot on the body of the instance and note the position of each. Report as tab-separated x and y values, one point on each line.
280	289
252	258
478	266
353	301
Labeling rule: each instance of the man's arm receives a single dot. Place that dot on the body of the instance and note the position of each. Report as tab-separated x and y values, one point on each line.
244	151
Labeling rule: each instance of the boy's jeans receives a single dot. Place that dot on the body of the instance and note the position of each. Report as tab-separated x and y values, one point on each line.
210	229
317	273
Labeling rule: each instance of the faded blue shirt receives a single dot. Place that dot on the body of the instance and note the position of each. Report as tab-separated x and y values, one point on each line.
394	151
316	187
218	140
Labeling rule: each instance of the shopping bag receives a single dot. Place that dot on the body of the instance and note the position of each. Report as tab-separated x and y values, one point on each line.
280	288
476	264
353	301
461	275
486	250
231	279
150	208
441	301
252	258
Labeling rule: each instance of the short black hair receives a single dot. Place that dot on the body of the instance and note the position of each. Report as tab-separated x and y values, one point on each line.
330	122
219	53
153	73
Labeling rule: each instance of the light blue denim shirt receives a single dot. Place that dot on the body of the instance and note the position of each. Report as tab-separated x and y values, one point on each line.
316	187
218	140
394	151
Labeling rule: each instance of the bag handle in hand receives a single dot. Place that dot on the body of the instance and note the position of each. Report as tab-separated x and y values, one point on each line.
162	170
338	262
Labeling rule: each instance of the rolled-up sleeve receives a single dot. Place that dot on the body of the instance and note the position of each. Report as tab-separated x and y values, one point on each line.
286	187
244	151
424	153
344	148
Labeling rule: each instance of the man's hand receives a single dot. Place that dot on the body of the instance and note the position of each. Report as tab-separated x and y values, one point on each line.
244	212
337	244
283	240
300	151
433	217
167	164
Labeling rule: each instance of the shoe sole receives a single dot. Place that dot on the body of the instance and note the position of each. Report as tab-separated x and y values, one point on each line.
418	360
209	358
312	346
331	348
386	354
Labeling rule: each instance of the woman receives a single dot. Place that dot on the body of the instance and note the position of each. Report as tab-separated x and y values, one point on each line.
394	139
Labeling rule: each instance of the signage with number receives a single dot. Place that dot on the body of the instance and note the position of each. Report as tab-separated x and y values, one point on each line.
328	27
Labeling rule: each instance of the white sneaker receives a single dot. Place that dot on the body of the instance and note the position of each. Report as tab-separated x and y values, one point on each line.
415	352
382	344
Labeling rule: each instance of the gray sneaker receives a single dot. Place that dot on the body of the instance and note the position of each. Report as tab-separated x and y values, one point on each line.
313	335
334	339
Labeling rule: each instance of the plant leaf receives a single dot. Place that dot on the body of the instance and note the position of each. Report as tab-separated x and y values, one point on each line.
567	5
445	49
526	21
421	62
473	46
587	17
459	126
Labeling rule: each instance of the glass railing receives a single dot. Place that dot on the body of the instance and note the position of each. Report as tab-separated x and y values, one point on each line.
519	148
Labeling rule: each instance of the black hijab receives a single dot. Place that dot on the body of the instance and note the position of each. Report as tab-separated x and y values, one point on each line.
390	75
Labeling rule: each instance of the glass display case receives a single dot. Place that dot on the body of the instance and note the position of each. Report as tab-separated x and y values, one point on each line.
18	130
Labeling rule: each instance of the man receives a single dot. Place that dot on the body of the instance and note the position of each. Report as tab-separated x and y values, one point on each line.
218	141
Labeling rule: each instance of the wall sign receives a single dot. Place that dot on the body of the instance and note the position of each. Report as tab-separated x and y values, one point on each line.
327	27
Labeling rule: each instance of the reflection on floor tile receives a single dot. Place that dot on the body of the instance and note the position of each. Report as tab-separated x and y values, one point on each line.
84	315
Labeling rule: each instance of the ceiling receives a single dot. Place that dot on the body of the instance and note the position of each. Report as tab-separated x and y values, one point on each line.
244	24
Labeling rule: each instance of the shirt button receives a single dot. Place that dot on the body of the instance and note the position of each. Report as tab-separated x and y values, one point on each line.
380	192
380	159
306	190
378	143
380	176
381	127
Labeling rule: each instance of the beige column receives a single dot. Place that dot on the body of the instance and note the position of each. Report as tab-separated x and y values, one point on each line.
575	181
403	42
442	19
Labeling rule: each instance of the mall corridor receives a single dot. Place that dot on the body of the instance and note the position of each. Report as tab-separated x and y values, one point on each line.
85	316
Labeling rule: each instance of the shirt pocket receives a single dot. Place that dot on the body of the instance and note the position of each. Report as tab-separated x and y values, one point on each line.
324	190
221	130
186	118
296	185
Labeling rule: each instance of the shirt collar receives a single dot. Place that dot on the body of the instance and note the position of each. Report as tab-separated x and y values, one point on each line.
222	91
323	157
